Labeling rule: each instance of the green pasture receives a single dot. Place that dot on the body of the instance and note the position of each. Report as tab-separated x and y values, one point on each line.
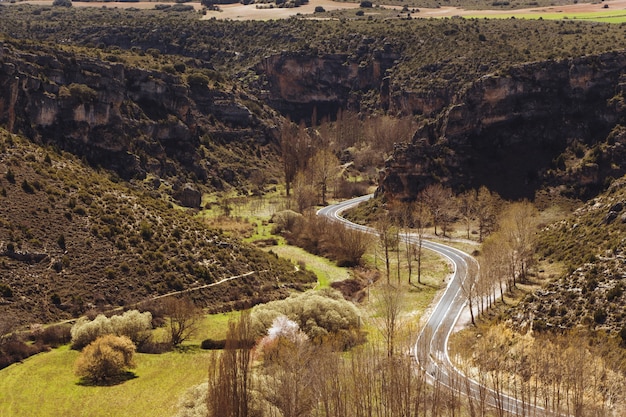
325	269
45	385
602	15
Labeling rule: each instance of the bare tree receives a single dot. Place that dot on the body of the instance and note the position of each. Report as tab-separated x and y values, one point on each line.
324	167
390	305
470	286
296	148
486	209
407	222
230	381
467	209
388	240
304	191
288	137
518	227
183	317
349	245
419	218
441	204
289	381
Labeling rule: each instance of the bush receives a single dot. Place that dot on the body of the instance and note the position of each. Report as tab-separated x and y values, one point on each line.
197	79
15	350
106	359
320	314
284	221
6	291
56	335
27	187
132	324
81	93
211	344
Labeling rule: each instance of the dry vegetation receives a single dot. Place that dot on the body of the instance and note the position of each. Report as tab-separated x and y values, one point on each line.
92	242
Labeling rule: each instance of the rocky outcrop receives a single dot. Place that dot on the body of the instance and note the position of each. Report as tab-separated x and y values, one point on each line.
189	196
506	130
296	83
124	118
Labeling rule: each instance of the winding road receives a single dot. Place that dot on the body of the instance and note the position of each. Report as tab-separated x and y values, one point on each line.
431	348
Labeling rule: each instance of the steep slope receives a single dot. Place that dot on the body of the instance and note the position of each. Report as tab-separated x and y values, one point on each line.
179	127
516	131
592	243
74	239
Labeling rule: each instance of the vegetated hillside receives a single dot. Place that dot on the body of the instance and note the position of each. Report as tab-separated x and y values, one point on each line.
74	239
436	57
502	103
175	123
592	243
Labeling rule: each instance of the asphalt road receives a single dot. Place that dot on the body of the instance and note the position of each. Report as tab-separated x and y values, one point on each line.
431	347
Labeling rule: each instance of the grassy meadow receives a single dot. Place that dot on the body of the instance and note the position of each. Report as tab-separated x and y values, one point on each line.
45	385
603	15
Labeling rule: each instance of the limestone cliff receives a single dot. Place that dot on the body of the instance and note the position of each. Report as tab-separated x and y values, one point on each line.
128	119
508	130
295	83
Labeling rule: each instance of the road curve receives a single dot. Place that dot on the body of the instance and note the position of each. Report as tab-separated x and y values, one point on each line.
431	348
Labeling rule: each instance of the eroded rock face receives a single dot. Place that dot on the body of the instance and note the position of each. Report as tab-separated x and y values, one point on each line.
189	196
123	118
295	83
506	130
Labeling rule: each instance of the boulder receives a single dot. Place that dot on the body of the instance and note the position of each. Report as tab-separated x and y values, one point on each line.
189	196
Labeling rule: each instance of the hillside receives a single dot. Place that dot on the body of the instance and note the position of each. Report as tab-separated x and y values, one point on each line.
591	244
175	106
73	239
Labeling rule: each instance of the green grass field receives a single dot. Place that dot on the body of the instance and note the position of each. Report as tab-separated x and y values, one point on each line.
604	15
325	269
45	385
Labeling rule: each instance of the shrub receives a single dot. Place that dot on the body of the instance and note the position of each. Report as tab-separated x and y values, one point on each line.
6	291
211	344
15	350
599	316
319	314
284	221
197	80
105	359
27	187
82	93
56	335
132	324
194	401
10	176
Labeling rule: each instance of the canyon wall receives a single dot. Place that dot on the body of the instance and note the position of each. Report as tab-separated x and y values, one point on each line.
131	120
506	130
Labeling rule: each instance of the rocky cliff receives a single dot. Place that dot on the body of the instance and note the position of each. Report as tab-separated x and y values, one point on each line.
296	83
513	132
131	120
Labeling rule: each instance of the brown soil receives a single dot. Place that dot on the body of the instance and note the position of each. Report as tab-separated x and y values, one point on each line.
251	12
